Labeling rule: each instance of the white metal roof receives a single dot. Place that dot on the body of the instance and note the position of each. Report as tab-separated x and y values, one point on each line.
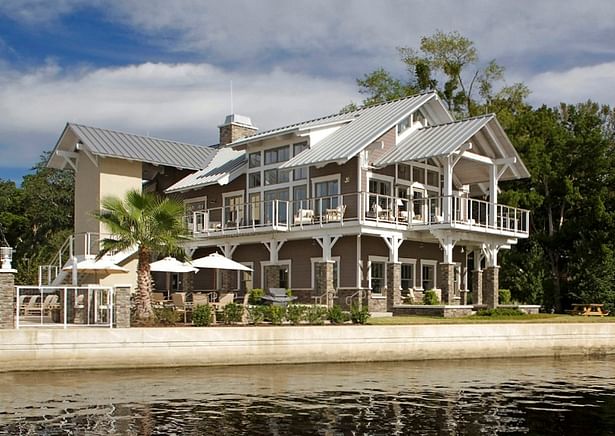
226	163
111	143
433	141
362	130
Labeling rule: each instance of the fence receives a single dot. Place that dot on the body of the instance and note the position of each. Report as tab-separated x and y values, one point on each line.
65	306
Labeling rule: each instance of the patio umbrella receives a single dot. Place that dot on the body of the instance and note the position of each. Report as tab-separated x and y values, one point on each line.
217	261
171	265
92	266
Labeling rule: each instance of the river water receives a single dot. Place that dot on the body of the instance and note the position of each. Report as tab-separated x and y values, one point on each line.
568	396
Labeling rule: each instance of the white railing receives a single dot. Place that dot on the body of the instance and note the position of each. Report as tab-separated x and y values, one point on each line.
64	306
363	207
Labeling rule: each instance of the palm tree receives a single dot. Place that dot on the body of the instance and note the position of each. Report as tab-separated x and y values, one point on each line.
151	223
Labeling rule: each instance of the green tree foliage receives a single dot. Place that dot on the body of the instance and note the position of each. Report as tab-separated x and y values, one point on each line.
150	223
36	217
569	256
449	64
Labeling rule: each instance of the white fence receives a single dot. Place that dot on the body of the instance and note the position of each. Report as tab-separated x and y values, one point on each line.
64	306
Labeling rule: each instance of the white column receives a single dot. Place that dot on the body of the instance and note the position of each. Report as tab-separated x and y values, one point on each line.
447	190
493	194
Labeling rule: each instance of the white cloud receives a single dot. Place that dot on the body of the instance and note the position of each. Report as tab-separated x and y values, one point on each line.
177	101
595	82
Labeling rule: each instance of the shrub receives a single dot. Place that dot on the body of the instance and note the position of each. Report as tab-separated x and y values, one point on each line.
358	314
232	313
166	316
289	292
336	315
407	300
256	314
500	311
202	315
295	314
315	315
504	296
256	296
430	298
276	314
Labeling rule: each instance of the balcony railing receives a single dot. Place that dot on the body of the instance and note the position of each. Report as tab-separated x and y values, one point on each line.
364	208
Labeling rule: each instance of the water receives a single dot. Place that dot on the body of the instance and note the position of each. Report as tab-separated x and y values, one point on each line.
529	396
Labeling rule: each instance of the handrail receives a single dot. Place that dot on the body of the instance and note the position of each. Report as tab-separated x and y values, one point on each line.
349	298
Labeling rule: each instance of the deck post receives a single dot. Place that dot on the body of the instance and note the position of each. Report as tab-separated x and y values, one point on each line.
393	285
324	280
122	306
477	286
7	298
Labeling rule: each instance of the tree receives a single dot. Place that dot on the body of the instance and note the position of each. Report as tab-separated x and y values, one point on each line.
449	64
152	224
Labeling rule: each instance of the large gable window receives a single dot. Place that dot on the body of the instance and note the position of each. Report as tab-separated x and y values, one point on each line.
275	155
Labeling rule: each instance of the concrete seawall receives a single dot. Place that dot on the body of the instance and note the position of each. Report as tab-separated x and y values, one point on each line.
49	349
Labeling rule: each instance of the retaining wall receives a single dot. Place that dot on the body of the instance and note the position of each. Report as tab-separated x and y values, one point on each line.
30	349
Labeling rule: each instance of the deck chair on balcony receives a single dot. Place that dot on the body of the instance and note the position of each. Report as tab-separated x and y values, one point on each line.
304	216
33	306
336	214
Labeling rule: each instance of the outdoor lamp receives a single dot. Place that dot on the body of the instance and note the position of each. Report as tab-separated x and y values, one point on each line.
6	256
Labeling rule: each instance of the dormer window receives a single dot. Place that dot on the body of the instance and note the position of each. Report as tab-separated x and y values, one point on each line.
420	118
404	124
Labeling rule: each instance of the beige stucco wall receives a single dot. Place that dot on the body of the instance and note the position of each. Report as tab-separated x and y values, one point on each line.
167	347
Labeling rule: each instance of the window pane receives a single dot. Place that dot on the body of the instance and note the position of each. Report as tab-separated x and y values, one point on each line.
298	148
407	276
377	276
255	207
299	198
283	176
254	180
255	160
404	172
271	177
418	175
428	277
433	178
275	155
300	173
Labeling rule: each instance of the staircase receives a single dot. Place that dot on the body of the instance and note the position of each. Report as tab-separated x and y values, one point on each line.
53	274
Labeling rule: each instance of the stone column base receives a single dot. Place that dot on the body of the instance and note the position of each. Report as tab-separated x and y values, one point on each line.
446	282
122	307
7	299
324	281
393	285
272	276
491	286
477	287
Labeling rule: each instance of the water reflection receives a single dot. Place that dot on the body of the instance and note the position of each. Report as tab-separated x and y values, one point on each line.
530	396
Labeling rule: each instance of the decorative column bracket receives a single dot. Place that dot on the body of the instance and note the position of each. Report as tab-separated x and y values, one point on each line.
326	243
228	249
447	242
274	247
490	251
393	242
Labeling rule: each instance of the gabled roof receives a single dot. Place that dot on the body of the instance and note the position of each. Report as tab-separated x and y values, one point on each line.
434	141
223	168
111	143
365	126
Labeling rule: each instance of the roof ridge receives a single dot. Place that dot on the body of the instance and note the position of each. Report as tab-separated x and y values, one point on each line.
489	115
140	136
324	117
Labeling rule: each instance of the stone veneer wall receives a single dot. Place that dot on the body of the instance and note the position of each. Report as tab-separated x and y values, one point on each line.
233	132
272	276
324	280
477	286
491	286
446	282
122	307
7	300
393	285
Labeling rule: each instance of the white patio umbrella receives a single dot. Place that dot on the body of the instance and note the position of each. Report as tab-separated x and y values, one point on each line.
217	261
92	266
171	265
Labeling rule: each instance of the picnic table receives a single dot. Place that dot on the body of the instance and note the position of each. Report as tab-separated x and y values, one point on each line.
588	309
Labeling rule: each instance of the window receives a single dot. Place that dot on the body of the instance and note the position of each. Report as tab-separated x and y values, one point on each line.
276	155
282	204
407	275
418	203
326	192
273	177
428	274
404	124
300	198
254	180
376	276
418	175
300	173
191	206
404	172
255	208
420	118
383	189
433	178
233	208
254	160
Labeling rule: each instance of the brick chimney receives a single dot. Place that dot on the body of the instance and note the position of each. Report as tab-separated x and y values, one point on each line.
235	127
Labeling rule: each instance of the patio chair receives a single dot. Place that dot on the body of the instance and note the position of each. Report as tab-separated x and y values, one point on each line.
157	299
304	216
33	306
180	305
225	299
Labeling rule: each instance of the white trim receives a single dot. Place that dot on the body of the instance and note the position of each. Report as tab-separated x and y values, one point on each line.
313	260
429	262
278	263
378	259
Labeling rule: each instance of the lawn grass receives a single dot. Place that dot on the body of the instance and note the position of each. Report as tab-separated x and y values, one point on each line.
474	319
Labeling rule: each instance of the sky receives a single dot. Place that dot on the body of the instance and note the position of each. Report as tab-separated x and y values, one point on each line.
165	68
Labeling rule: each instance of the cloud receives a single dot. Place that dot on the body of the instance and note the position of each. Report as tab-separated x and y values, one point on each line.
177	101
595	82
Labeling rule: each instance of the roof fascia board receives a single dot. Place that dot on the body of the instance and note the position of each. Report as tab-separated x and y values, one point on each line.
82	147
519	163
57	145
68	157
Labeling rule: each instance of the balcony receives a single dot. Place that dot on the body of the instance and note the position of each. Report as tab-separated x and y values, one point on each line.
361	209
